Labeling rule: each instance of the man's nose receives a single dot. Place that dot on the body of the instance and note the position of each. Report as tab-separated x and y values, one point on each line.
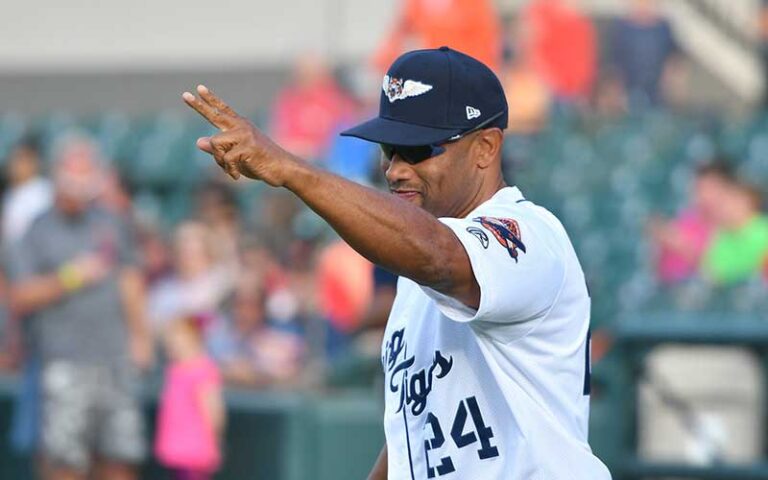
396	170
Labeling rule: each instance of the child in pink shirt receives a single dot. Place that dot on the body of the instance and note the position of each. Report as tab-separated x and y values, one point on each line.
681	243
191	412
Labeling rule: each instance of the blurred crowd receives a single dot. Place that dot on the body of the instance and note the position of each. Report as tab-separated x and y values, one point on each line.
94	292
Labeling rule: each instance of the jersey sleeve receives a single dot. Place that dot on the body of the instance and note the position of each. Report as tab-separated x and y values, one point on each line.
517	263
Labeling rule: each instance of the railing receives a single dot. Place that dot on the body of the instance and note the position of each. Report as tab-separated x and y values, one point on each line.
634	339
276	436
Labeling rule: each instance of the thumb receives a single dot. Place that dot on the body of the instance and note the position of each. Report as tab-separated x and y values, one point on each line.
204	144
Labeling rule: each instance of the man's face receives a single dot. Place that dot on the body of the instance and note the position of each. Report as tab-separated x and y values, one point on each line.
443	185
77	177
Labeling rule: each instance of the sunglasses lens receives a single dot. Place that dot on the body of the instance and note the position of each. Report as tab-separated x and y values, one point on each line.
412	154
415	154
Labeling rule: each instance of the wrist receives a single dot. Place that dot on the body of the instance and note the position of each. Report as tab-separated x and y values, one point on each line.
298	175
70	278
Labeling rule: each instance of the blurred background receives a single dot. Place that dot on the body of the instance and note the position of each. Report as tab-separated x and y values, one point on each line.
146	299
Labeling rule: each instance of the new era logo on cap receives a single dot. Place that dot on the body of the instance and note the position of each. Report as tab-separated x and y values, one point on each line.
472	112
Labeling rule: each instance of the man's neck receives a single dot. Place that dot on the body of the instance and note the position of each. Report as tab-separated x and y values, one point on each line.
483	194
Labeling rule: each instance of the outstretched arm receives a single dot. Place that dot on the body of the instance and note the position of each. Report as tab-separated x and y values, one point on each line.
387	230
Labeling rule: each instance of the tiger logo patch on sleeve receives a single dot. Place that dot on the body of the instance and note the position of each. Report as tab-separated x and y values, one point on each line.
507	233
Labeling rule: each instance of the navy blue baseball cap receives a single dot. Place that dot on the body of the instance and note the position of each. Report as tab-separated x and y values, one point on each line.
432	96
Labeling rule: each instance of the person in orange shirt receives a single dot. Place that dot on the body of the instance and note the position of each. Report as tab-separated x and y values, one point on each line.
561	44
470	26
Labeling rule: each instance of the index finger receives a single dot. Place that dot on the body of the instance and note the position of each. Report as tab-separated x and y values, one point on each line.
216	102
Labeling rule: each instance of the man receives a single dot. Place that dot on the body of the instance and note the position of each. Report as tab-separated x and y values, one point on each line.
486	350
643	51
76	284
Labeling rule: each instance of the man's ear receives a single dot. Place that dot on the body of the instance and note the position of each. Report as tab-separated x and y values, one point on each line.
487	146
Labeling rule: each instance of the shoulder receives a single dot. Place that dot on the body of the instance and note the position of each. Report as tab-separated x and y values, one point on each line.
512	221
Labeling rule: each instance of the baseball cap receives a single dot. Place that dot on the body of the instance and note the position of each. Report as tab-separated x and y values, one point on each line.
429	96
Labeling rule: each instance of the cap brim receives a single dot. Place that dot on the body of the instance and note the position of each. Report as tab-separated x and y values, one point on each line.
383	130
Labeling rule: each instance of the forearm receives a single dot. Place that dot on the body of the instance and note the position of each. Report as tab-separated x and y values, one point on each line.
133	295
36	293
387	230
379	471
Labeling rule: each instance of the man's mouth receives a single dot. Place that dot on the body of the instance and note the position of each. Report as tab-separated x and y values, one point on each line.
405	194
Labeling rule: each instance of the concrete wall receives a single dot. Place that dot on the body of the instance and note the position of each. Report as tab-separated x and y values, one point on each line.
39	36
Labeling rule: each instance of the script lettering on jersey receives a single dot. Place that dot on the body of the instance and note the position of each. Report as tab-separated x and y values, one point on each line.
413	387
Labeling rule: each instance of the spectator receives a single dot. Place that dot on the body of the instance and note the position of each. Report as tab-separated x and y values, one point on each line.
643	50
682	242
191	413
198	285
75	282
740	243
309	109
470	26
217	208
561	46
345	288
28	194
250	349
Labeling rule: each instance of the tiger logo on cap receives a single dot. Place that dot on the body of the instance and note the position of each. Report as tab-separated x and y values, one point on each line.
399	89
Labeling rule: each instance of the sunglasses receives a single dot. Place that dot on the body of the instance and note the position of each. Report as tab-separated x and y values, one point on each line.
419	153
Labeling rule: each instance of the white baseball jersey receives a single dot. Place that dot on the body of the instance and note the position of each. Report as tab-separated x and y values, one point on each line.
501	392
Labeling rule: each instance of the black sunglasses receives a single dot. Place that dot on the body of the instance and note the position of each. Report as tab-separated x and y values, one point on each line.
419	153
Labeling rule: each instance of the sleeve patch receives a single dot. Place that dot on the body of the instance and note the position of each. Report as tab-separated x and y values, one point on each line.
480	235
506	231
